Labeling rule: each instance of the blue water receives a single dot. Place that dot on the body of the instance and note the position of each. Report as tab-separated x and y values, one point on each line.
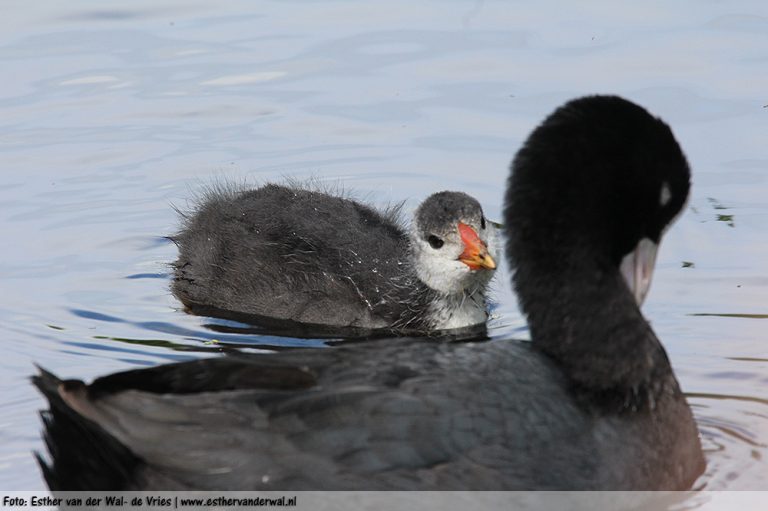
110	115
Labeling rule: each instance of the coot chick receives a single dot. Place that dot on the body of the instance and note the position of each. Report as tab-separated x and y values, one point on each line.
591	403
293	253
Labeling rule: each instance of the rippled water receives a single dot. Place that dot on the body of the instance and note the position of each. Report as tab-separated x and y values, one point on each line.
109	115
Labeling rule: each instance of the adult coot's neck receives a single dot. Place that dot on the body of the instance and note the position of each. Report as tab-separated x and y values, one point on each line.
594	180
585	318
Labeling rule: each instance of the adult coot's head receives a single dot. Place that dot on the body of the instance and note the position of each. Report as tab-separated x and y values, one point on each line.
594	180
450	239
591	192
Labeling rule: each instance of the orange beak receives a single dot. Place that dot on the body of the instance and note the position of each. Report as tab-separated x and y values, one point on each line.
475	253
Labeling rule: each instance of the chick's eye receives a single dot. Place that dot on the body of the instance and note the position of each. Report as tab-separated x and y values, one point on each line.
435	242
482	222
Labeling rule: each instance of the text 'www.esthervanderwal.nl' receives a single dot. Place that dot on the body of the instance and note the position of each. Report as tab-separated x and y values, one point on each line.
176	500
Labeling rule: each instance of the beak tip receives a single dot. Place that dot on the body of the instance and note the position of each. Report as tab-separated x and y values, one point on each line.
479	262
475	253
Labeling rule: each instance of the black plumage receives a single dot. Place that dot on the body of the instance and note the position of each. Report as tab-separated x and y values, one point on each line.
591	403
290	252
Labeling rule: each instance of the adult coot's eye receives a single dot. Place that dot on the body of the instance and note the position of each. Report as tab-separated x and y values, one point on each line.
482	222
435	242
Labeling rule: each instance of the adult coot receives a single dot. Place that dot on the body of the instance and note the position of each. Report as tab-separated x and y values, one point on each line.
293	253
590	403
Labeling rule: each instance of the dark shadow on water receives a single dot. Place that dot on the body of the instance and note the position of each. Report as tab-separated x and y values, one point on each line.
730	315
214	345
264	325
726	396
225	330
147	276
96	316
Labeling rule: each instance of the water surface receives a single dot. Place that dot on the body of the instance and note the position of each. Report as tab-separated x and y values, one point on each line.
110	114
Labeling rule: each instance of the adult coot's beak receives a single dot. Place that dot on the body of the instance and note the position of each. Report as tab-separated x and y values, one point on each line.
475	253
637	268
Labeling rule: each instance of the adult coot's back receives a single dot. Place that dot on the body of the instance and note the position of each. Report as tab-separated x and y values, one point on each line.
591	403
292	253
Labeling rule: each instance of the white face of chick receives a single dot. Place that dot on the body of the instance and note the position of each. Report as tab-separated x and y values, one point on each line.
453	244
